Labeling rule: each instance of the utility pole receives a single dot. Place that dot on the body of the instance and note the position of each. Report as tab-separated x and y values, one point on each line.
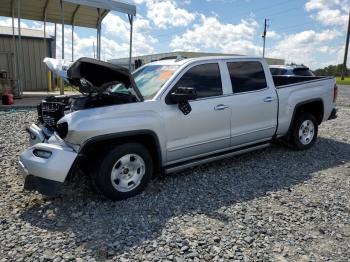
264	36
346	51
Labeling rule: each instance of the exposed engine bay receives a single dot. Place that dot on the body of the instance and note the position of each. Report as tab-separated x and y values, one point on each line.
53	108
94	79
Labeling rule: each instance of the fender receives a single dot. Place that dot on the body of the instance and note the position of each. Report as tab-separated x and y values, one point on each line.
297	106
96	139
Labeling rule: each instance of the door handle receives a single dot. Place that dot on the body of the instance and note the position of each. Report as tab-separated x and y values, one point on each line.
268	99
221	107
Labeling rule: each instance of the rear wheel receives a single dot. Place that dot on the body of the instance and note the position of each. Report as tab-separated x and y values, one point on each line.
304	132
124	171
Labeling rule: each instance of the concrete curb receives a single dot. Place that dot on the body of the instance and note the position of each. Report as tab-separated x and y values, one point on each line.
15	107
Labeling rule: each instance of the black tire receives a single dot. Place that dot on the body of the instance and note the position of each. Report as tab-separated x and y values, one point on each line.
103	180
297	141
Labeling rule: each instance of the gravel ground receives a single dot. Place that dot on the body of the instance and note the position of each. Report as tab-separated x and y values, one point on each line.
271	205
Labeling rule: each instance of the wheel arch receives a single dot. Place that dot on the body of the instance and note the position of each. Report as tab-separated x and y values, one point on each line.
100	143
312	106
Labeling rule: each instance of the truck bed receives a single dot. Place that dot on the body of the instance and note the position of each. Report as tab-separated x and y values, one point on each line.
294	90
284	81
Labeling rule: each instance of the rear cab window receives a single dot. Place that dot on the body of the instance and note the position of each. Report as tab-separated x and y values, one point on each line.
205	78
247	76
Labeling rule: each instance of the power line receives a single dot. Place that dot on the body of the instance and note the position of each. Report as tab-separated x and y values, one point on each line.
262	9
277	13
291	26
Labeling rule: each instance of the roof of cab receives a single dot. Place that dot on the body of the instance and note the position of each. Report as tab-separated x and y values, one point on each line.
181	61
289	66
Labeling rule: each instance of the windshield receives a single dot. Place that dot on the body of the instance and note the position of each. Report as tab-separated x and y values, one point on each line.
149	80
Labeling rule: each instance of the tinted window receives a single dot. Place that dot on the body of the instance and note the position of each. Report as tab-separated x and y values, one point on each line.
246	76
302	72
204	78
277	71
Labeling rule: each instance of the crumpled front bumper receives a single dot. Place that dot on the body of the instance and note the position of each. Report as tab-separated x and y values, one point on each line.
46	174
34	183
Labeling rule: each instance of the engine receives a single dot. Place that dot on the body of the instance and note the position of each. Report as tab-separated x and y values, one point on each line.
53	108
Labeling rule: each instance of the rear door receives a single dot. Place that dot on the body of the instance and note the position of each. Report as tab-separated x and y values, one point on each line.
254	103
207	128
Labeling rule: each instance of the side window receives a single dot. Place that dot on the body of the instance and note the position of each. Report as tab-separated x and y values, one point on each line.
246	76
204	78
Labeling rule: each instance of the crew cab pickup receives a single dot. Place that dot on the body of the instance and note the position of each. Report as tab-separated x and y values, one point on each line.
168	115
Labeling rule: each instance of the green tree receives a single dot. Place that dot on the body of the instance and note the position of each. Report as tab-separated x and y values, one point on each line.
332	70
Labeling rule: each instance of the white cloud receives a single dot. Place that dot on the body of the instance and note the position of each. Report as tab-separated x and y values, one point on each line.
304	47
329	12
119	29
8	22
331	17
167	13
327	49
210	33
322	4
272	34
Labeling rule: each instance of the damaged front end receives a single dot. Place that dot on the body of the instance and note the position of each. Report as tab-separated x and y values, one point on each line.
96	81
45	166
47	163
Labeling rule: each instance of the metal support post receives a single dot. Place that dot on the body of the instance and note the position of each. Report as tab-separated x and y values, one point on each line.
98	34
20	53
15	72
131	18
62	18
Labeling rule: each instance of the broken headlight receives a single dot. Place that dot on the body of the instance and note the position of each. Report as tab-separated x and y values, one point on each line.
62	129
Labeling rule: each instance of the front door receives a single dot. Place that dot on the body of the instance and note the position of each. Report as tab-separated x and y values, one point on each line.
207	127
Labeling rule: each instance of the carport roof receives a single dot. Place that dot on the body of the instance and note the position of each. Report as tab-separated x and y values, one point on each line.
84	12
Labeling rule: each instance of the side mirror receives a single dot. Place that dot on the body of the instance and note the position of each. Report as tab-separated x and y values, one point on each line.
183	94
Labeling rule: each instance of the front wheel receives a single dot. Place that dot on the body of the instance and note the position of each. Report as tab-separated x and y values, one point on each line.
304	133
124	171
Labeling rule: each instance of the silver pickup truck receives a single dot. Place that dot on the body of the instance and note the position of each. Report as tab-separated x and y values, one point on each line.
168	115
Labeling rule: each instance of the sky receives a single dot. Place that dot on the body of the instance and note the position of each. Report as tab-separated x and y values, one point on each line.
312	32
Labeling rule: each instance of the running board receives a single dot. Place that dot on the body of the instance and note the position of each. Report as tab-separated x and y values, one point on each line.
196	162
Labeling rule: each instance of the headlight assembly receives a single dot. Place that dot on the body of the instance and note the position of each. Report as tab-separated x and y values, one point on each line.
62	129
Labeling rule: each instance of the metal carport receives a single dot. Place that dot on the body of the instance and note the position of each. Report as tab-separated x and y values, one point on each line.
85	13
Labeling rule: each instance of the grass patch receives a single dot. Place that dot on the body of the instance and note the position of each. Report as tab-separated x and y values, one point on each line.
346	81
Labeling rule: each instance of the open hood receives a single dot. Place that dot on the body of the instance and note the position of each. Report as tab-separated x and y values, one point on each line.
95	76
